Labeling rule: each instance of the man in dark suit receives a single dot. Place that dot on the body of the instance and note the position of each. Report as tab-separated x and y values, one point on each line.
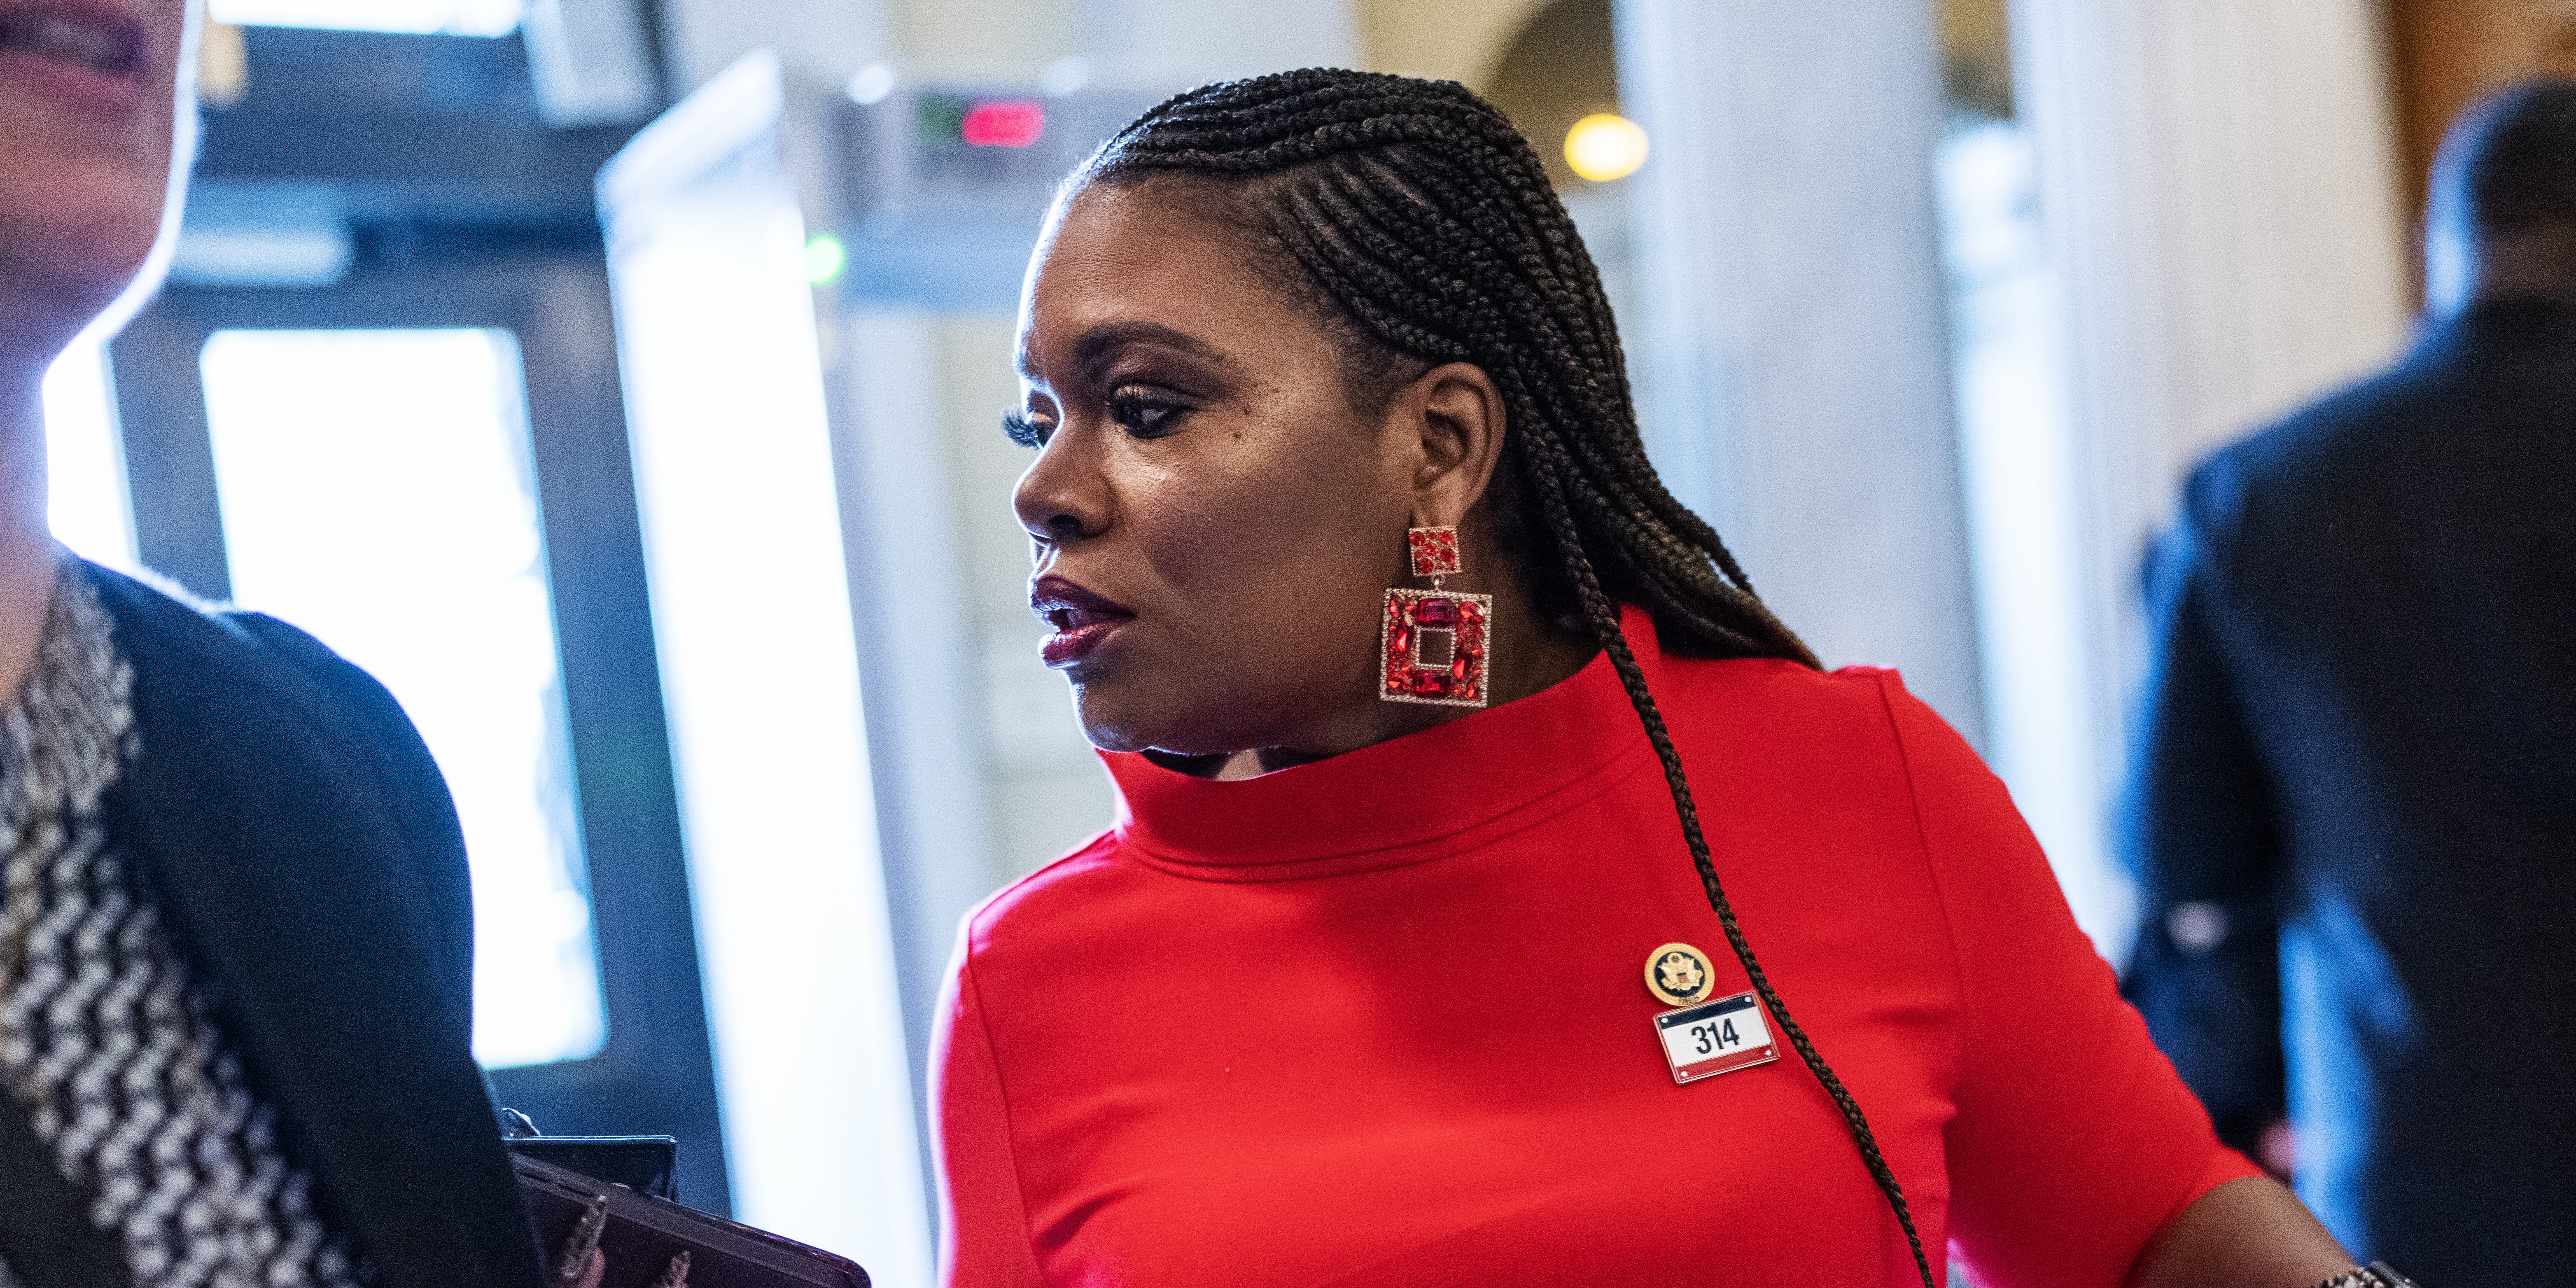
236	938
2353	803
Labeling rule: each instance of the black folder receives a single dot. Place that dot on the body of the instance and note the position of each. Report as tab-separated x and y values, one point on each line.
643	1234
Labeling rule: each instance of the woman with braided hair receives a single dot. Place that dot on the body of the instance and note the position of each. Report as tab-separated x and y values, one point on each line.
1442	734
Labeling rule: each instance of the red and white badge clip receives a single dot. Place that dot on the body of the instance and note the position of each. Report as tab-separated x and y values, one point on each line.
1704	1037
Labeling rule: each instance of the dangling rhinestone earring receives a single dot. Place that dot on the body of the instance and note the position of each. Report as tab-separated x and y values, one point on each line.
1432	646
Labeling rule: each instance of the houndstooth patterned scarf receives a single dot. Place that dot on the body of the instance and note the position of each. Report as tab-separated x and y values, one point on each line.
105	1041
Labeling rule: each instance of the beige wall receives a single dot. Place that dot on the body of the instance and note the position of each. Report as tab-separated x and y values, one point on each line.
989	41
1458	40
2447	54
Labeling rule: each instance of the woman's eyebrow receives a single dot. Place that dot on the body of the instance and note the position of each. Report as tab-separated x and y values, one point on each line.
1093	348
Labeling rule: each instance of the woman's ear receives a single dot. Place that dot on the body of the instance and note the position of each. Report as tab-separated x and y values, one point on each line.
1456	414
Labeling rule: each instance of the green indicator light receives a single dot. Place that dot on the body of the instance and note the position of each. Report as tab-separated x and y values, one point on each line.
824	259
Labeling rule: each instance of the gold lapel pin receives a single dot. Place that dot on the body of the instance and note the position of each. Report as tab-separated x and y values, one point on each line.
1678	975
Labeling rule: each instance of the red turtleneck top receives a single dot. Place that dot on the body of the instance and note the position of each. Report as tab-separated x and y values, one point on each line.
1382	1019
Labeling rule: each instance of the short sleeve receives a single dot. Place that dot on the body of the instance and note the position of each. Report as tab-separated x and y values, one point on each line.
2074	1142
983	1227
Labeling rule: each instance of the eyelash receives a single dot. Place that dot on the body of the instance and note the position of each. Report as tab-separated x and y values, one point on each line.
1126	407
1026	430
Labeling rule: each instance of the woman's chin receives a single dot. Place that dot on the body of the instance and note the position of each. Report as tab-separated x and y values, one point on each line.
1115	740
72	257
1106	724
1111	725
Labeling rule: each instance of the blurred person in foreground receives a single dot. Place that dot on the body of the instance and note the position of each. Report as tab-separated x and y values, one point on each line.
236	940
2353	808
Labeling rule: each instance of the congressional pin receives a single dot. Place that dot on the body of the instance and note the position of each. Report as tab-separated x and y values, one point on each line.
1716	1037
1679	975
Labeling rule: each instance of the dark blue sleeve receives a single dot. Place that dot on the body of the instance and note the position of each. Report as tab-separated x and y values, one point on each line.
2198	832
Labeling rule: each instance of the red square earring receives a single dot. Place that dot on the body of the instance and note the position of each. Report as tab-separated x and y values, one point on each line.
1432	644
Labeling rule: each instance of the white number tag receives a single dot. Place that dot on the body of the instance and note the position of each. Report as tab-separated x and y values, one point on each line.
1717	1037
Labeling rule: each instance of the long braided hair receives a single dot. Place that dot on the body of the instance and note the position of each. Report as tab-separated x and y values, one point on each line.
1422	228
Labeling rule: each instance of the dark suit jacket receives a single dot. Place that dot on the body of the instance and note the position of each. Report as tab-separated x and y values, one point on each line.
302	844
2359	740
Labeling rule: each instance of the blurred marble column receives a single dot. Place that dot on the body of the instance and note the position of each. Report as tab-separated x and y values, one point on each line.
1791	331
2221	205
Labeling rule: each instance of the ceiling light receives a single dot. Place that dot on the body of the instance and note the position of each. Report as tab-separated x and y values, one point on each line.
1605	146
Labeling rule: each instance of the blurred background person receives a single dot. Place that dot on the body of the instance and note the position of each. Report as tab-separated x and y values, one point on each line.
235	937
2354	808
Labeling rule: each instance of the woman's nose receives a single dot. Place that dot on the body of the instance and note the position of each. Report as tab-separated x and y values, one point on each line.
1058	501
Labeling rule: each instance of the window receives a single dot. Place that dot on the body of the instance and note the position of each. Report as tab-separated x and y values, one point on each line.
377	490
84	461
448	17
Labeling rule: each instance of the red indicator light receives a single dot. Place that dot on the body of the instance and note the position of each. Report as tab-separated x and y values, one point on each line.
1004	123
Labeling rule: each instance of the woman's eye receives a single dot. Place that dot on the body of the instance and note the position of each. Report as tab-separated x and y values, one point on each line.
1026	430
1145	415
